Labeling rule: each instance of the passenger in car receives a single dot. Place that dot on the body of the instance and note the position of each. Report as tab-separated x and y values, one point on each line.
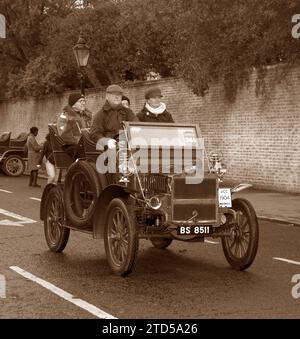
74	117
125	101
154	109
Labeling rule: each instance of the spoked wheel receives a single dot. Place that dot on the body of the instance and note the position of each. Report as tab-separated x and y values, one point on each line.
240	247
120	237
81	190
83	197
56	234
13	166
161	243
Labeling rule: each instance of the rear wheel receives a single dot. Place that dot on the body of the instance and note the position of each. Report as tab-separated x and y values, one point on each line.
56	234
161	243
120	237
241	246
81	190
13	166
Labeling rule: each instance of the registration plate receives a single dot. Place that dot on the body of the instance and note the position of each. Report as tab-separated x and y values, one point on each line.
194	230
225	197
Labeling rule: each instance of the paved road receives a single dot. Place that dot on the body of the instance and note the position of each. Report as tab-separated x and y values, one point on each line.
185	281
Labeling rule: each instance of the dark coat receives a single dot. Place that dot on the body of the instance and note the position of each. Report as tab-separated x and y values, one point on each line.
108	121
87	118
47	152
146	116
70	123
33	153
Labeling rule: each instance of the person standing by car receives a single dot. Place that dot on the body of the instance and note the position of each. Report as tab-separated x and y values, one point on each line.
33	156
47	152
154	109
107	122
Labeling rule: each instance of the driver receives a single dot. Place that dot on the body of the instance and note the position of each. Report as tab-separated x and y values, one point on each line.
107	122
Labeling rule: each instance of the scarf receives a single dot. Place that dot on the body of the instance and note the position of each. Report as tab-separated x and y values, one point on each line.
156	111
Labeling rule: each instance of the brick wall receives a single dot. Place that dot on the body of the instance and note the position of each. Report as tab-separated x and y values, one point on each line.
259	136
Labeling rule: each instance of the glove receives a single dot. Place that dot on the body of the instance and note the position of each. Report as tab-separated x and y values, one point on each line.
112	144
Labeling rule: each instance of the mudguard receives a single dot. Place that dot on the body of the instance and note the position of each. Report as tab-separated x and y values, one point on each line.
44	200
9	152
240	187
109	193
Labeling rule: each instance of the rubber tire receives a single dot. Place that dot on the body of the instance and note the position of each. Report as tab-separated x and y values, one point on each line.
133	240
90	173
5	164
55	193
161	244
246	261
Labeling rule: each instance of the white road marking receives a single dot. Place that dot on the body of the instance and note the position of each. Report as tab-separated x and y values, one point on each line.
211	242
6	222
20	218
288	261
4	191
2	287
37	199
63	294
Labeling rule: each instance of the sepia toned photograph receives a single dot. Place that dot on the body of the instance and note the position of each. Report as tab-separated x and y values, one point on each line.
149	162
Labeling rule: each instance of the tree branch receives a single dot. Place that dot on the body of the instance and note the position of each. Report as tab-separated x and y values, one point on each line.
13	56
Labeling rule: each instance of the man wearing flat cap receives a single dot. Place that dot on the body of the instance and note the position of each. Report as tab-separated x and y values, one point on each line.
74	117
107	122
154	109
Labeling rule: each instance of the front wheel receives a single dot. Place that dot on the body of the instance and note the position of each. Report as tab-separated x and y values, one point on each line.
56	234
13	166
120	237
241	246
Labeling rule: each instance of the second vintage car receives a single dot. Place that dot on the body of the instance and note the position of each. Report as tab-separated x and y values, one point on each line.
13	154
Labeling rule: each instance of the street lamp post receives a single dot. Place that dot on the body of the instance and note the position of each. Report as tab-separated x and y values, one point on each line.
82	52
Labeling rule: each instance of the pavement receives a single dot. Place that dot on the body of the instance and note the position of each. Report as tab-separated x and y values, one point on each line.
188	280
274	206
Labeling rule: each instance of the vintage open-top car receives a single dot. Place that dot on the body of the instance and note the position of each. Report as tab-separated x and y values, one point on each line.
13	154
165	187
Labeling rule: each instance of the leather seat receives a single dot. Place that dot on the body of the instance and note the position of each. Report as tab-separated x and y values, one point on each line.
5	138
19	142
89	146
61	158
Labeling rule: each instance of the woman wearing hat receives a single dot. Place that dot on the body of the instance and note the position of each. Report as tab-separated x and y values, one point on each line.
125	101
154	109
74	117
